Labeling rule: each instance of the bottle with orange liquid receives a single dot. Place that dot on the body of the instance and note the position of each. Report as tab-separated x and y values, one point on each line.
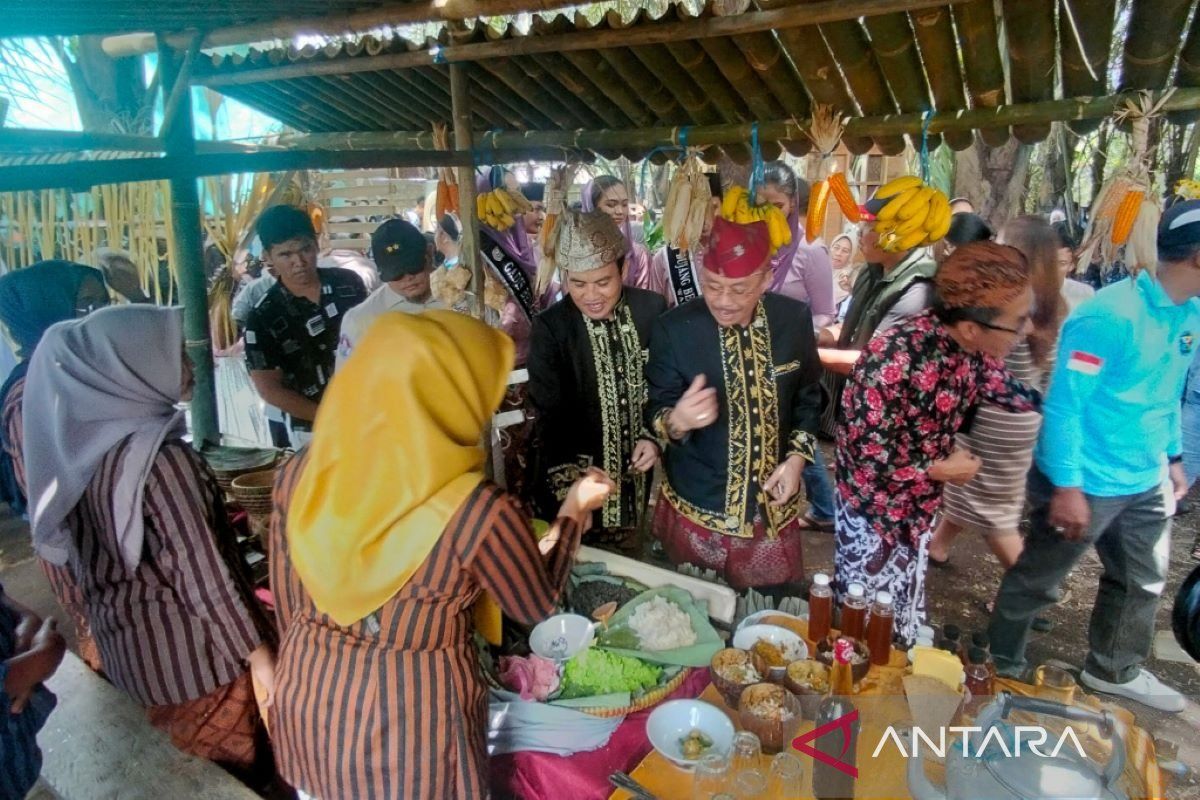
854	612
820	607
879	629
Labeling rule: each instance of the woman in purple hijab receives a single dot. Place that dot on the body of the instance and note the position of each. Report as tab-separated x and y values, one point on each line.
802	271
608	194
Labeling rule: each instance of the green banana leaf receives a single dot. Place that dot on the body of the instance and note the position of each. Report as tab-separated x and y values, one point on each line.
621	639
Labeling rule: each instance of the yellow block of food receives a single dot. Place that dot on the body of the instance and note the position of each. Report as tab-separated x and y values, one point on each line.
939	664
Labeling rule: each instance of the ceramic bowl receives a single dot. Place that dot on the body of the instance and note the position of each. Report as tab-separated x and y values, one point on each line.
560	637
771	713
724	662
790	644
670	723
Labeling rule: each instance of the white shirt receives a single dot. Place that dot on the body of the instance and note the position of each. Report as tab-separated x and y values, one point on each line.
359	319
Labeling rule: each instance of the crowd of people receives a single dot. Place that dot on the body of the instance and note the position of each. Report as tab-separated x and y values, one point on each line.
956	386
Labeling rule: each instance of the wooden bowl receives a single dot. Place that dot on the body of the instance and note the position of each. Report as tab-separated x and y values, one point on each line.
732	658
775	729
799	680
859	666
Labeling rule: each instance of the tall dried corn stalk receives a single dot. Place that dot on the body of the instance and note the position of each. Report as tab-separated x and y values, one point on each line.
56	223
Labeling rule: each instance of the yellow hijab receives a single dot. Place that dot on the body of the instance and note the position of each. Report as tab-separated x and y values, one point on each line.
395	452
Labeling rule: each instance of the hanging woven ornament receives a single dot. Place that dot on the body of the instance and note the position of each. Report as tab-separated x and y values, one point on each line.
557	188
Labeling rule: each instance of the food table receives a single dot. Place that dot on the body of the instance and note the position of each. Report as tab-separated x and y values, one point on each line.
881	703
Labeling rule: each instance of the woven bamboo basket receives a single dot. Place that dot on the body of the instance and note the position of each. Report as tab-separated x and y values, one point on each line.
252	491
650	698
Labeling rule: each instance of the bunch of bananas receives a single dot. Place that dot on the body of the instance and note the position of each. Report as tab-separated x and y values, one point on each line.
736	207
916	214
499	208
1188	189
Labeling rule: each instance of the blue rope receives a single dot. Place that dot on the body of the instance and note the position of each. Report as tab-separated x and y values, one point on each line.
757	167
438	56
927	118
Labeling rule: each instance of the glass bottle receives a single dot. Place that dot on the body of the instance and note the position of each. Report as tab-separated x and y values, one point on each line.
829	782
820	607
879	629
979	679
952	635
854	612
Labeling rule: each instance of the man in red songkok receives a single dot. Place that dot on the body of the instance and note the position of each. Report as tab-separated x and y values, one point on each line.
734	392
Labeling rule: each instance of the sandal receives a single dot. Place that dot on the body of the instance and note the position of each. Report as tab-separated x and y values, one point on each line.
810	522
938	563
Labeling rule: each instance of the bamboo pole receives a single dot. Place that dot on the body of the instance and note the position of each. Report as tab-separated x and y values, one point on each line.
1085	71
896	51
774	69
464	141
1149	53
1029	32
609	81
724	97
978	39
738	71
656	97
1188	74
435	82
26	140
484	88
577	84
181	88
939	54
187	254
599	38
533	90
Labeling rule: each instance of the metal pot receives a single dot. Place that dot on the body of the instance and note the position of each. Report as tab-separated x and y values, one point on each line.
987	773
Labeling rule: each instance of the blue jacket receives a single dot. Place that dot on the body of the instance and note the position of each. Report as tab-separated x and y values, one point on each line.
1112	412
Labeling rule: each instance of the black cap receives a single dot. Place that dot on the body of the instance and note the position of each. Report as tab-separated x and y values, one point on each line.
534	192
399	249
1179	231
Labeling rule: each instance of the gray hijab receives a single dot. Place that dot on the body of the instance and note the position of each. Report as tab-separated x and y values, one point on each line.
116	374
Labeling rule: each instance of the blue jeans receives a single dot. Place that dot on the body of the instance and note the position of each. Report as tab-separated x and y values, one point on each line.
1191	424
818	488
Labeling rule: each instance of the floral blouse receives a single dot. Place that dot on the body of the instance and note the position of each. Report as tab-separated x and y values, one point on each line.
903	404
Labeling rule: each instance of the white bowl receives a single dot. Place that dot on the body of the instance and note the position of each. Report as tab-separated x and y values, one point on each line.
758	616
793	647
560	637
672	721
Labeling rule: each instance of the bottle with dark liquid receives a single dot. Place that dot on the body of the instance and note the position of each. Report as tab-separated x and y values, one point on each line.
829	782
952	640
879	629
820	607
979	679
854	612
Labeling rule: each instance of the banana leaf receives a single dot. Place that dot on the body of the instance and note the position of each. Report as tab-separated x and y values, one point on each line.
620	638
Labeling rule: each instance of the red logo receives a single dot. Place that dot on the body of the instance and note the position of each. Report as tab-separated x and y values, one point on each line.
842	723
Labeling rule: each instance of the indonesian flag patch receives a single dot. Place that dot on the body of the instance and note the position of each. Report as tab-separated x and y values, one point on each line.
1086	363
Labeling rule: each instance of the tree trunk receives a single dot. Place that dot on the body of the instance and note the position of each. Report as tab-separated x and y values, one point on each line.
110	93
993	178
1100	160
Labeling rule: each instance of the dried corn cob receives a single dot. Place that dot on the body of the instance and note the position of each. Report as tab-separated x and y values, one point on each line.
1127	212
815	221
845	198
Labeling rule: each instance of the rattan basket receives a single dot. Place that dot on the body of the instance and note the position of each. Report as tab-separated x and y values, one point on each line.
650	698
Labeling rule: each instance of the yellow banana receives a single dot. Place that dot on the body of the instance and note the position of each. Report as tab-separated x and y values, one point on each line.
506	201
939	208
729	202
507	221
896	186
941	230
917	204
494	205
915	222
896	203
911	240
481	206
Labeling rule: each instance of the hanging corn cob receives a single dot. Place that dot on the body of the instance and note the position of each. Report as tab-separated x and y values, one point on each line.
688	198
825	131
557	188
446	198
1127	209
915	215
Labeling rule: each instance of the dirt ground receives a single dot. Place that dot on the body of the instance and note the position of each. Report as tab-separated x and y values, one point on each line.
955	594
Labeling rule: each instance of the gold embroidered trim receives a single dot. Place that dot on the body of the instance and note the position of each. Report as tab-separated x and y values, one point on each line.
752	402
784	369
621	383
803	444
724	524
658	426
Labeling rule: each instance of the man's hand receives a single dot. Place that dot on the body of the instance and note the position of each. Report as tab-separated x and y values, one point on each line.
1070	513
958	468
696	409
784	481
645	456
36	664
1179	481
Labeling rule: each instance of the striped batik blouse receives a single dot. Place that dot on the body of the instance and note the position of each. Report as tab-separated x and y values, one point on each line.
182	623
394	706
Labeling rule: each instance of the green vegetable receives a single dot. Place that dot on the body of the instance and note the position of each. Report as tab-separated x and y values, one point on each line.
596	671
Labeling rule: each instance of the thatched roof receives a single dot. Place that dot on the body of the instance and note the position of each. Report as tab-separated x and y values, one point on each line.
567	73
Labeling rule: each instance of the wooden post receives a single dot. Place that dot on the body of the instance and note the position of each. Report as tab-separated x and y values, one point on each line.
188	257
468	251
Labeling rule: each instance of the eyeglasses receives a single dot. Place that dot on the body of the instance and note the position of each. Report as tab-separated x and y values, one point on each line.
991	327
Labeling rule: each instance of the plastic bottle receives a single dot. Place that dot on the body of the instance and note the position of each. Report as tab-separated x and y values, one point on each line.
854	612
829	782
820	607
979	678
879	629
951	635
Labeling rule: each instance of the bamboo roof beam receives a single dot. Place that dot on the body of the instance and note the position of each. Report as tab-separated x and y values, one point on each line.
484	87
978	39
520	88
44	140
725	97
533	70
273	106
1030	33
896	51
766	57
436	83
303	102
1149	54
939	54
431	11
376	104
396	86
737	70
849	45
645	34
608	80
1085	70
656	97
577	82
1187	74
349	101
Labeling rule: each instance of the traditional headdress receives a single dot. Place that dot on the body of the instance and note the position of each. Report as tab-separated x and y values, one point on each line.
981	275
736	251
588	241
